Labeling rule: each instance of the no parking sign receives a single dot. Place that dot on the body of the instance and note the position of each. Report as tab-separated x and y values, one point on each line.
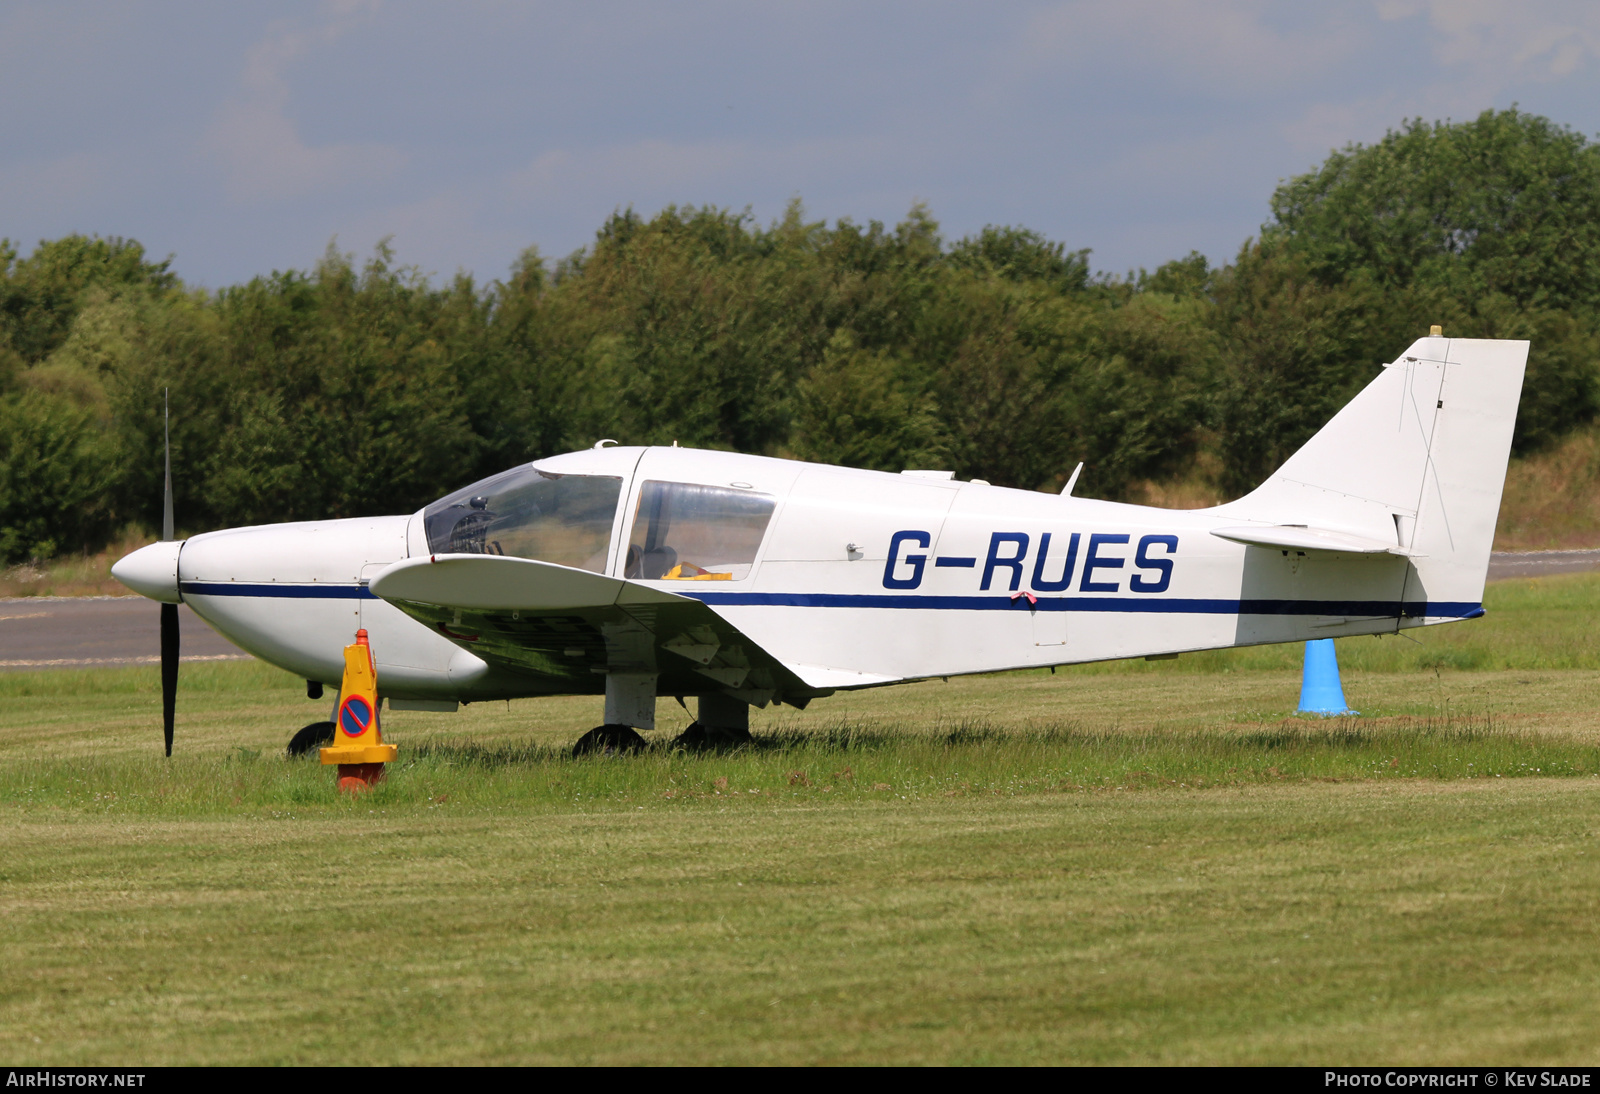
356	715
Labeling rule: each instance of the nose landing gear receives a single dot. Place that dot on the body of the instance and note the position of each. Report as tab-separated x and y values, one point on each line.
309	739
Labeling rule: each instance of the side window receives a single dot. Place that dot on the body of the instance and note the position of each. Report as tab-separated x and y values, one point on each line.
683	532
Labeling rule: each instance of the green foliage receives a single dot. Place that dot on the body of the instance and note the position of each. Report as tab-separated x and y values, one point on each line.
57	472
679	330
346	401
1294	351
1491	227
301	397
346	390
1508	203
41	295
1024	255
1561	389
867	409
1190	276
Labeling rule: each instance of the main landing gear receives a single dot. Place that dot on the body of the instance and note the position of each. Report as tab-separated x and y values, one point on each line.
609	740
722	722
700	736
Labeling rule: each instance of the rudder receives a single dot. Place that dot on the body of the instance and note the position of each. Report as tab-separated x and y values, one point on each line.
1459	503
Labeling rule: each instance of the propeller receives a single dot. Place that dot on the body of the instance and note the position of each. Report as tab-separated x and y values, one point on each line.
169	612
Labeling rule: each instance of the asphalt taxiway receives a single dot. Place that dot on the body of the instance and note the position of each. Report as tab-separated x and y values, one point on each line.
75	632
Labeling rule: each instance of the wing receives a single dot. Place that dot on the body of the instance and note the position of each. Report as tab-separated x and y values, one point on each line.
563	629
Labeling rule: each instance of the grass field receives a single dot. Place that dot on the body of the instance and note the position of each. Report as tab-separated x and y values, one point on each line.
1133	862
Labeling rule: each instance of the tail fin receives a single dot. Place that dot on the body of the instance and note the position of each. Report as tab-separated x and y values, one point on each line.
1417	459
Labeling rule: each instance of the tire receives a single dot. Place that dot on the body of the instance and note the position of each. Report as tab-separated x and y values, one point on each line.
609	740
309	739
699	738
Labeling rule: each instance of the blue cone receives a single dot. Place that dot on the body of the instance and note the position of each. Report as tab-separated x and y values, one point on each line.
1320	690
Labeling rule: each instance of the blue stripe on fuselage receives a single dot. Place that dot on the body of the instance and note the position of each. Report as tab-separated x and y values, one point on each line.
1148	604
1371	609
294	592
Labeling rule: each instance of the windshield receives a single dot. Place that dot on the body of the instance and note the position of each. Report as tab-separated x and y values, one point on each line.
683	532
529	513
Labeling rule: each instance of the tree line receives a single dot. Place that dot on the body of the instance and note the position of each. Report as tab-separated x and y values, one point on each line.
359	388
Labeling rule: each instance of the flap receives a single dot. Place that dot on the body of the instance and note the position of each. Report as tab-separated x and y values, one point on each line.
820	676
1299	537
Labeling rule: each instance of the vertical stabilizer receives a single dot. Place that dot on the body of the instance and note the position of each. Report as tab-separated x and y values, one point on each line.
1417	459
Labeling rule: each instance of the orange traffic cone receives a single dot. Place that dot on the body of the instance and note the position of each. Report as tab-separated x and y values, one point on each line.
358	746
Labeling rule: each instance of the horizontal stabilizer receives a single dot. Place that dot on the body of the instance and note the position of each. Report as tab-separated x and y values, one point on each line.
1299	537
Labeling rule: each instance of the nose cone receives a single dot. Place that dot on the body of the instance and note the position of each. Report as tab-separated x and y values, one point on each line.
152	571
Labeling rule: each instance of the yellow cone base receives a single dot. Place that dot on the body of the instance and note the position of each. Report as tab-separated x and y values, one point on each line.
359	754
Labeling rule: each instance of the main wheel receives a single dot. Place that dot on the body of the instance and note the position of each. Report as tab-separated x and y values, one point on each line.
608	740
700	736
312	737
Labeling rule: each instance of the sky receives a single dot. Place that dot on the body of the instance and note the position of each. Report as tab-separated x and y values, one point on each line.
244	138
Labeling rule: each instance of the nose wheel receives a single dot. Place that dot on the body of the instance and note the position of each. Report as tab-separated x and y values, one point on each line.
608	740
311	738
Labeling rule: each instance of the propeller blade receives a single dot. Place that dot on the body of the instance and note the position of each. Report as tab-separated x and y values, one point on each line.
169	612
166	494
169	669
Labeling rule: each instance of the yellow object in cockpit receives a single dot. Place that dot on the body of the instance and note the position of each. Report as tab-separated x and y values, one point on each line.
677	574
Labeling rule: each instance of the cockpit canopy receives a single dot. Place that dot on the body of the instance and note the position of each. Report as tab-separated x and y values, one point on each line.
528	513
681	531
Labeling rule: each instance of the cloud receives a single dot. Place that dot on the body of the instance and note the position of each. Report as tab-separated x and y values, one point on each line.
1503	42
1221	47
1471	55
261	151
244	138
